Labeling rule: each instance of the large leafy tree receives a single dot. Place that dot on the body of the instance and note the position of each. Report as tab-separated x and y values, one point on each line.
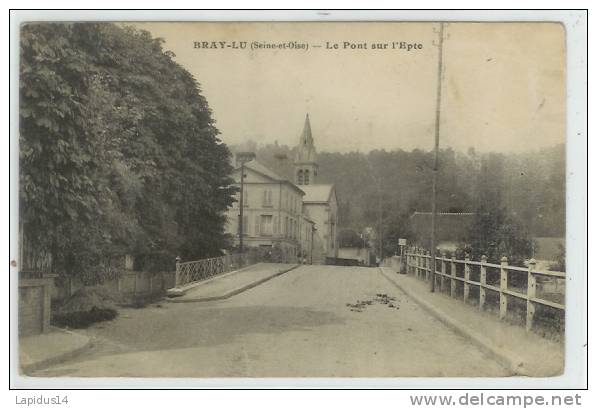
119	152
495	231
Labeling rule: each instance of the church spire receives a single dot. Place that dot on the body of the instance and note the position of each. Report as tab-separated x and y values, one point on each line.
305	162
306	136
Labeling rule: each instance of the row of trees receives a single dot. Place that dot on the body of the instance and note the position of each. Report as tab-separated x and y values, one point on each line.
118	151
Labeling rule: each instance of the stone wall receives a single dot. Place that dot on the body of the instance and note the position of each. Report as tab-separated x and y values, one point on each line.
34	306
129	283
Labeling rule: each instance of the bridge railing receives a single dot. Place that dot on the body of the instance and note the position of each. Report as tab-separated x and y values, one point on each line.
192	271
474	275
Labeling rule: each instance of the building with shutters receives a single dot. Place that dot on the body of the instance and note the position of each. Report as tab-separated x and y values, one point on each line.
273	212
299	217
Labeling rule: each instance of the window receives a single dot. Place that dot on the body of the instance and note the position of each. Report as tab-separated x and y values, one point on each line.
267	198
299	177
306	178
266	225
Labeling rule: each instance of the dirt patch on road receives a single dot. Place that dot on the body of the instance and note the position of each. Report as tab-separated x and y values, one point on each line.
382	299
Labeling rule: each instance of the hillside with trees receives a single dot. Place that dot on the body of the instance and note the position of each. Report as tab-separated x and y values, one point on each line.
512	194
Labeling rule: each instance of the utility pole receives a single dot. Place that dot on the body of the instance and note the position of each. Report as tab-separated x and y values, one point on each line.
242	157
378	182
313	229
380	221
436	154
241	220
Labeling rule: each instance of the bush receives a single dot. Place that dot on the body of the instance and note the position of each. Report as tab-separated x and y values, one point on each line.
83	319
87	306
87	298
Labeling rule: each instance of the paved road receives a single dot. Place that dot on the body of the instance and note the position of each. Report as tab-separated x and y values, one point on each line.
302	323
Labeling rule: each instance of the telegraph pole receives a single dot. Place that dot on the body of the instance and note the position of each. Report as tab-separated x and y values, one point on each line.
240	221
436	154
380	221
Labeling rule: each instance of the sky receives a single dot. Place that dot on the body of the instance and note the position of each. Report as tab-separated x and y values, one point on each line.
503	84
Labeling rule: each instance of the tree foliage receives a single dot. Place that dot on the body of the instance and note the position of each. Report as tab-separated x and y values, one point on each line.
118	150
495	231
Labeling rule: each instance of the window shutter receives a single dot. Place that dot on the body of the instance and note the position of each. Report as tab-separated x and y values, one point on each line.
257	221
275	225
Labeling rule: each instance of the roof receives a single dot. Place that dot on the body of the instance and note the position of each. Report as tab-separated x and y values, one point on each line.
317	193
264	170
267	172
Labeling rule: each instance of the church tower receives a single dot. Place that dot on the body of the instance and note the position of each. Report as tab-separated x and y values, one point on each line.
305	162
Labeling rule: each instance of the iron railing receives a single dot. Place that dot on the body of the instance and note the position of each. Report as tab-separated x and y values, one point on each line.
192	271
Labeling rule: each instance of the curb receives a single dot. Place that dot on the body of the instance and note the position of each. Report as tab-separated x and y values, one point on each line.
36	366
178	292
235	291
508	360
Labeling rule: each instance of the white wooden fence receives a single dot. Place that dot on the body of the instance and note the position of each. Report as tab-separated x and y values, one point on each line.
418	262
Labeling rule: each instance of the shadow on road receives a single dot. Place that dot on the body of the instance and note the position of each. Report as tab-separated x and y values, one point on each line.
177	327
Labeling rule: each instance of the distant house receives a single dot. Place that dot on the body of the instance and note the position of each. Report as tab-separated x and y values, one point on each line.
450	228
321	205
362	255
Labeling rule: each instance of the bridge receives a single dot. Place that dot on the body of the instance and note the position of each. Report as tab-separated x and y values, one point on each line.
314	321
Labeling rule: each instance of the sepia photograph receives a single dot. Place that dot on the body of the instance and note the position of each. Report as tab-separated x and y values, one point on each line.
232	199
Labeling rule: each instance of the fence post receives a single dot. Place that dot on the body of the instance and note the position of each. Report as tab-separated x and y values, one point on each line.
443	269
423	265
177	276
419	263
428	274
452	279
482	281
503	287
467	277
413	260
531	293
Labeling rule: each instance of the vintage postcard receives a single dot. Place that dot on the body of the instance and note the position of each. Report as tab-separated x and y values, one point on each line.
291	199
